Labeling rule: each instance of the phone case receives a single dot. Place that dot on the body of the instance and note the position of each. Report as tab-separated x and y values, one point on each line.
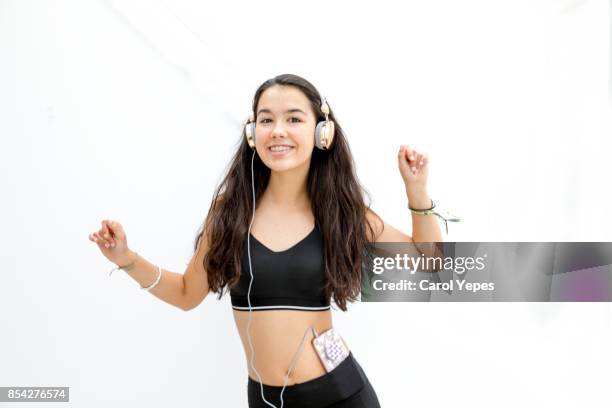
331	348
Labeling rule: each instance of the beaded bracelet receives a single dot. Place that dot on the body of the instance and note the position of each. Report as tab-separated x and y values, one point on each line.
427	211
430	211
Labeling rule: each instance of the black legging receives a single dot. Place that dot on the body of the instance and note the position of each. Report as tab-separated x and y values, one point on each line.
346	386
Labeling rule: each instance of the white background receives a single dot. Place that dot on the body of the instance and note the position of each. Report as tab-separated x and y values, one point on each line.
131	110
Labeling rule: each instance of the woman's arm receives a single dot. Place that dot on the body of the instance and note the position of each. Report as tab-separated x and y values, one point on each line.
425	228
195	277
384	232
414	169
171	286
184	291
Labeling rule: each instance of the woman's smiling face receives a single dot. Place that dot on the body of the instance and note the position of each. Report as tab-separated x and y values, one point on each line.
285	128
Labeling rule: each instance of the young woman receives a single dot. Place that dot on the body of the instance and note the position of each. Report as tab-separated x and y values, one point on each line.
307	233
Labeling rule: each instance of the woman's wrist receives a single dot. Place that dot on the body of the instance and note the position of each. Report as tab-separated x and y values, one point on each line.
418	199
127	259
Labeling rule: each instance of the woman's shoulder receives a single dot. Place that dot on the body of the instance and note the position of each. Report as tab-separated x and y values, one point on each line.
374	225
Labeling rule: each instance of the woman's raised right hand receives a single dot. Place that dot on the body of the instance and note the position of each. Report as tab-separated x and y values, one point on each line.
112	241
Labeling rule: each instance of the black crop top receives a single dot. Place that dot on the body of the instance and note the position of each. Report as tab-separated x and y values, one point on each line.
291	279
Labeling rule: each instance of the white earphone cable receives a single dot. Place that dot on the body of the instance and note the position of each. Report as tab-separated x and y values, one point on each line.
249	291
294	360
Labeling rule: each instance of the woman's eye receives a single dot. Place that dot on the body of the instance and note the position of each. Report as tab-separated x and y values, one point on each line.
265	120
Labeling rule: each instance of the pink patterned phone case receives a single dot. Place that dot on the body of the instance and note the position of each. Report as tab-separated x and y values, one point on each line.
331	348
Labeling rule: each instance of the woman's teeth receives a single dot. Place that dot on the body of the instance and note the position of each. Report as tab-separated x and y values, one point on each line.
280	148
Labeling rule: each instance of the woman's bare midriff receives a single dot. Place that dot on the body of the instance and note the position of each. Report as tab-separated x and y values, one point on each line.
276	336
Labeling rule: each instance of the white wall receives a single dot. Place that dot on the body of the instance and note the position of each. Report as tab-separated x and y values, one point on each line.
130	110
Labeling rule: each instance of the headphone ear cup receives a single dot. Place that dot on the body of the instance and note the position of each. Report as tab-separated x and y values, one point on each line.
318	134
324	134
249	134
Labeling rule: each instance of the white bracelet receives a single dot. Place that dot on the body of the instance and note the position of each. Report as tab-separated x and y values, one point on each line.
151	286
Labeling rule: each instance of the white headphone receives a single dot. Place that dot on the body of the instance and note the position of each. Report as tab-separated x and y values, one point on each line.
324	132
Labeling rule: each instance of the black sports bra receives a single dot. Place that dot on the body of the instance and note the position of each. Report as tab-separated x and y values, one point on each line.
292	279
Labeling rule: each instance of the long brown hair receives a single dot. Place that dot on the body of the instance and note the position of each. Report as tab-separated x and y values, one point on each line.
337	201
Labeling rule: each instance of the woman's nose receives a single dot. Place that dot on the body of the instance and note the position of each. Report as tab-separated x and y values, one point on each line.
279	131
